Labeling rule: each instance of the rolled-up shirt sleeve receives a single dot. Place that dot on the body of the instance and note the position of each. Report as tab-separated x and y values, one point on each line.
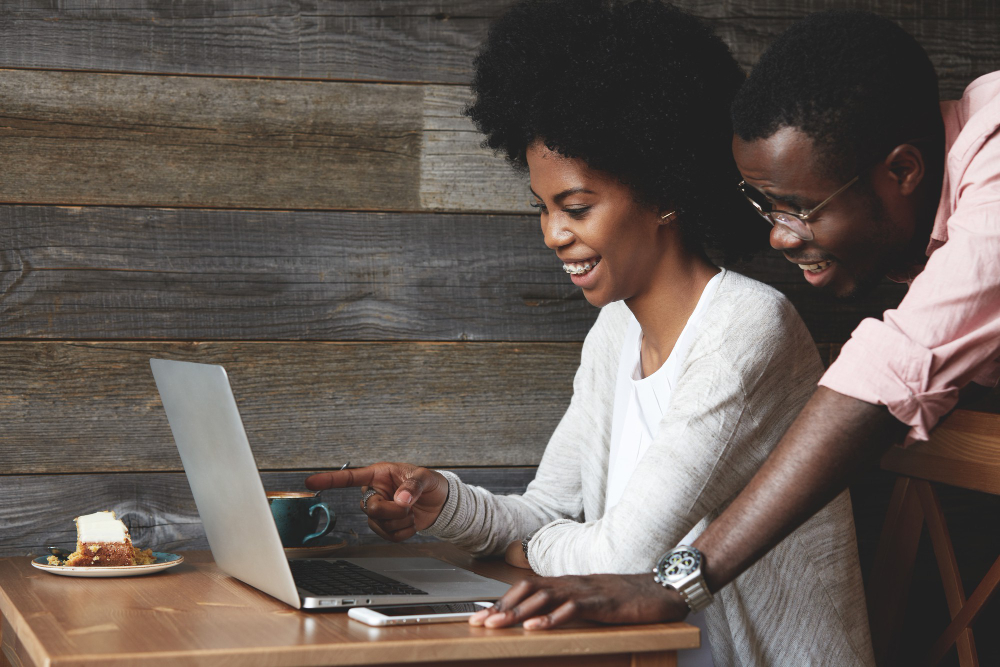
945	332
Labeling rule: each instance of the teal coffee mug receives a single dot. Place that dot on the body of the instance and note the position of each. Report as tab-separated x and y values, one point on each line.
294	514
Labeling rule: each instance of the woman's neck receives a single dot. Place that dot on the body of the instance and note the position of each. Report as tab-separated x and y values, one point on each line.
665	306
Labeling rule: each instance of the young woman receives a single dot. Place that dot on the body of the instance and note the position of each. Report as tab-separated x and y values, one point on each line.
619	111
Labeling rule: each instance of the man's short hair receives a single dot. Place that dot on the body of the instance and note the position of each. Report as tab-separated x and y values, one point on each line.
857	84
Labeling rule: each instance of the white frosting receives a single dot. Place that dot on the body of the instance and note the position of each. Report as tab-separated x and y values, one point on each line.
100	527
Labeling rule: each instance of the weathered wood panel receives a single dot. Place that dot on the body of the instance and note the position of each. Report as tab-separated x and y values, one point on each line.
894	9
113	273
97	273
402	41
387	41
453	165
110	139
82	138
960	50
99	138
160	512
93	407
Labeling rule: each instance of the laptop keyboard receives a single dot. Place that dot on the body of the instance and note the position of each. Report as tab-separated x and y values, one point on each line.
322	577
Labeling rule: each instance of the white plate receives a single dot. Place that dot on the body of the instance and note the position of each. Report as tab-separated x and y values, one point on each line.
163	561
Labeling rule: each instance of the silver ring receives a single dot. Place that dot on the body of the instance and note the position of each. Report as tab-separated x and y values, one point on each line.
364	499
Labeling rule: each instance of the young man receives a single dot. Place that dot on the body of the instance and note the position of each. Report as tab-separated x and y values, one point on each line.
844	148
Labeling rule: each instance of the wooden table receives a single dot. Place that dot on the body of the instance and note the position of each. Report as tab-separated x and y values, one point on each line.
194	614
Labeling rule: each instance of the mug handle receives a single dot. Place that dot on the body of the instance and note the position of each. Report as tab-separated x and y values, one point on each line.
329	521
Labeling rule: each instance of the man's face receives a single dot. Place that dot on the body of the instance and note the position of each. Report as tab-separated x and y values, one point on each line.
859	236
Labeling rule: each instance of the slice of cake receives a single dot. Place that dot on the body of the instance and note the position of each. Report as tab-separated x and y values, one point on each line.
103	540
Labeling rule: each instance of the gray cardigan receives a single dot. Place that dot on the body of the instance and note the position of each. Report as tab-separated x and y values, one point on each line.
746	376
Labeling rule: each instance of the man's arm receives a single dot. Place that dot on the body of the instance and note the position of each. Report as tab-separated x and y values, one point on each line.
831	441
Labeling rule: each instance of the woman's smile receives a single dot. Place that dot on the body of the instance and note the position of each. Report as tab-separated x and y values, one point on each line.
580	267
584	274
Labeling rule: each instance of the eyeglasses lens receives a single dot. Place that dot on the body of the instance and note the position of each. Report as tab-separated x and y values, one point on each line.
795	226
756	197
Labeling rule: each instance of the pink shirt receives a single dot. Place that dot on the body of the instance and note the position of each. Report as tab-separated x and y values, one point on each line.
946	331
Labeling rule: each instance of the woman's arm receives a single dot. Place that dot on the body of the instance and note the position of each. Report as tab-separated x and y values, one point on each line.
410	498
484	523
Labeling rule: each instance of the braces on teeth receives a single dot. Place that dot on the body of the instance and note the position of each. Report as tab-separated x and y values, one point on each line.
578	269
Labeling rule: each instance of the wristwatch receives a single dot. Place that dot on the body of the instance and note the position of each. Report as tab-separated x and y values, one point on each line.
524	544
680	569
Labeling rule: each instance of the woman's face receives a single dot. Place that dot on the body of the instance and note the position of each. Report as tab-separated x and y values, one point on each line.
610	245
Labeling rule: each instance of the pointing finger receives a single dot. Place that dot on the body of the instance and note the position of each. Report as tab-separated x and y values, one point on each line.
339	479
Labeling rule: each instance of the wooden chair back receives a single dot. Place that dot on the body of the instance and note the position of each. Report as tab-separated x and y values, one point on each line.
964	451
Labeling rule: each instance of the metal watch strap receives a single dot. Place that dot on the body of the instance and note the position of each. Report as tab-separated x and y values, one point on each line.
680	569
696	594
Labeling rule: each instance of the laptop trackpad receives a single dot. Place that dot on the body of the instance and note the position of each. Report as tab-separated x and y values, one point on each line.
416	570
416	578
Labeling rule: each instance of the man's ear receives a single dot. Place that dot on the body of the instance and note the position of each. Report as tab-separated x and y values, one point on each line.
906	164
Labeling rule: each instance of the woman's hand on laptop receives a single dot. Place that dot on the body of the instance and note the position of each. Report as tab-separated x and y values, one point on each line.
407	498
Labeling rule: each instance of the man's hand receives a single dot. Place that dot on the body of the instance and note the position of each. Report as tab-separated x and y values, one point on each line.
545	602
515	555
408	498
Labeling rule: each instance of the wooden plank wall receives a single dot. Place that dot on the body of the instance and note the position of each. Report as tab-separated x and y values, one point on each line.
288	187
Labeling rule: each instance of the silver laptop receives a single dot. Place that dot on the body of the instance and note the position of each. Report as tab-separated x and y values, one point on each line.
241	532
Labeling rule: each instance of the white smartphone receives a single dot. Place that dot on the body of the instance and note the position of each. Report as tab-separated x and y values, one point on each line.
448	612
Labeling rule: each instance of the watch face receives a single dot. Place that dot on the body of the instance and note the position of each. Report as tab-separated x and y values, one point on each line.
677	564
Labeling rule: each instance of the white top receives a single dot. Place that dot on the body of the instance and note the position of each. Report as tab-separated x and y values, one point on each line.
640	403
749	370
100	527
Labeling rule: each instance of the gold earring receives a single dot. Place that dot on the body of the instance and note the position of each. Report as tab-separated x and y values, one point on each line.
667	215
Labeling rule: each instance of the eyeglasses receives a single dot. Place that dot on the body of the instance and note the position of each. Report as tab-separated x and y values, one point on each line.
796	223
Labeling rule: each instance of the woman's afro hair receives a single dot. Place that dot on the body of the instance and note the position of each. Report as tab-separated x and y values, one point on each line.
637	89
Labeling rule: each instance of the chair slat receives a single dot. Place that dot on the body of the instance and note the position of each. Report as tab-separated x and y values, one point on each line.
944	553
892	572
963	451
967	616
